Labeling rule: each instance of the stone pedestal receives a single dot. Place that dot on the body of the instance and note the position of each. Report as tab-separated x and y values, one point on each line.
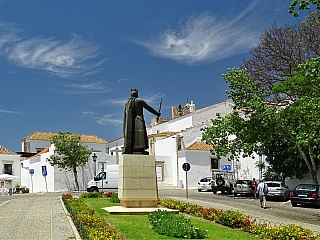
137	181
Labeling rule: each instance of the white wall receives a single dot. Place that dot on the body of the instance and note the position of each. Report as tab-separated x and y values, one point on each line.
210	112
292	183
37	182
34	144
180	123
16	166
165	150
57	180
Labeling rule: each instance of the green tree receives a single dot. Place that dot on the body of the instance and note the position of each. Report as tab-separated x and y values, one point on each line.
303	5
260	126
69	153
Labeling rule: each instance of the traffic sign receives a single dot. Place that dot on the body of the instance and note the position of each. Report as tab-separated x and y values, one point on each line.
186	166
44	171
226	167
31	171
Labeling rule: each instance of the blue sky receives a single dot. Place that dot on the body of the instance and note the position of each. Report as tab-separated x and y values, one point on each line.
70	65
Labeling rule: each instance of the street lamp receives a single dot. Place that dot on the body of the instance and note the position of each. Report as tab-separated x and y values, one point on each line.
94	157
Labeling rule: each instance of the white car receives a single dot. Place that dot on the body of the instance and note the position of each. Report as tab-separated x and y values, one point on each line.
205	184
277	189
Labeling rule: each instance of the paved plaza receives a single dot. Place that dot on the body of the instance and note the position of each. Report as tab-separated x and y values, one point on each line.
33	217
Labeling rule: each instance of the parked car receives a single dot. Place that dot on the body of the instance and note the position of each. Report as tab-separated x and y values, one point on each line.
242	187
205	184
277	189
222	181
305	194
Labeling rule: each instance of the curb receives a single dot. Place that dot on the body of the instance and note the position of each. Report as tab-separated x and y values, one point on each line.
74	229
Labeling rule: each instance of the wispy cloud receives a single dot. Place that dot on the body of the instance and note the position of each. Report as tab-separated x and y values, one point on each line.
206	38
9	112
93	87
64	58
150	99
106	120
110	120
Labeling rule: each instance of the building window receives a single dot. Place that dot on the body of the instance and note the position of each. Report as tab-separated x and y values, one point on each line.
39	149
8	169
214	163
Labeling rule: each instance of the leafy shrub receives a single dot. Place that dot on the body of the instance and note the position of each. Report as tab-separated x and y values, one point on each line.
174	225
90	195
114	198
24	190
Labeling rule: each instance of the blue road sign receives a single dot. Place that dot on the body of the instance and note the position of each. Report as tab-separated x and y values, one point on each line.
226	167
44	171
31	171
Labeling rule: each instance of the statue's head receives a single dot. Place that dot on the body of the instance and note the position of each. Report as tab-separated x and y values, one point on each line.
134	93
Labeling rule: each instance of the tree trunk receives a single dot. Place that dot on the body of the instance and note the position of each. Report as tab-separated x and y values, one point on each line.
76	178
311	166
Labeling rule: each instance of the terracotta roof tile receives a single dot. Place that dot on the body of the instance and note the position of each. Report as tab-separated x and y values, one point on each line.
162	134
200	146
5	151
46	136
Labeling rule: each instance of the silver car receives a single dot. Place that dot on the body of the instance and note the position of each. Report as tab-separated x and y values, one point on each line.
205	184
277	189
243	187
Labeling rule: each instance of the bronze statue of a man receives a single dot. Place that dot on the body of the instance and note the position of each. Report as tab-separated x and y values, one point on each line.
134	127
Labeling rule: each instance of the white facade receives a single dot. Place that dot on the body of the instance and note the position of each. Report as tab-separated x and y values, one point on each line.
170	141
14	161
58	180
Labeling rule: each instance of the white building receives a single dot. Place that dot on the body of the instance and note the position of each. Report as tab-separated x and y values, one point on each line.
9	164
173	141
56	180
178	140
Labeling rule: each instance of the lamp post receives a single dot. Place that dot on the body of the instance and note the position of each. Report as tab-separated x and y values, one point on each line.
94	158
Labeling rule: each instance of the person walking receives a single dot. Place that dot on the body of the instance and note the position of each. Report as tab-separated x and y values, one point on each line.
262	189
254	188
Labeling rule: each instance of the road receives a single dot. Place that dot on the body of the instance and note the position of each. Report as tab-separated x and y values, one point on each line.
276	213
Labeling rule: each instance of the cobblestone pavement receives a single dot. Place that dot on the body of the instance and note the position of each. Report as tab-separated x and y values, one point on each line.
33	217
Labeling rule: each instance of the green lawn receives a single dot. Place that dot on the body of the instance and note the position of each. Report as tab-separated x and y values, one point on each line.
136	227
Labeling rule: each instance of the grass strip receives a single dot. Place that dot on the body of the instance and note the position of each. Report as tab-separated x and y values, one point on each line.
136	227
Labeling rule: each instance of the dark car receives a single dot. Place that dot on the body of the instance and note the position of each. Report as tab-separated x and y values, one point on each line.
305	194
243	187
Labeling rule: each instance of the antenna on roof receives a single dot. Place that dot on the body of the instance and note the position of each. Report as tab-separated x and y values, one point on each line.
187	100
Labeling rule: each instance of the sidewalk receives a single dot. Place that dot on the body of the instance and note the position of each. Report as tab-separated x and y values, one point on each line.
33	217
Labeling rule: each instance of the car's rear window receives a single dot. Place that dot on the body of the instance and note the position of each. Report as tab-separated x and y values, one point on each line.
273	184
205	180
248	182
307	187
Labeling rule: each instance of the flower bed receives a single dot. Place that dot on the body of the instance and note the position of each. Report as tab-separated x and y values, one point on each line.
235	219
88	224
